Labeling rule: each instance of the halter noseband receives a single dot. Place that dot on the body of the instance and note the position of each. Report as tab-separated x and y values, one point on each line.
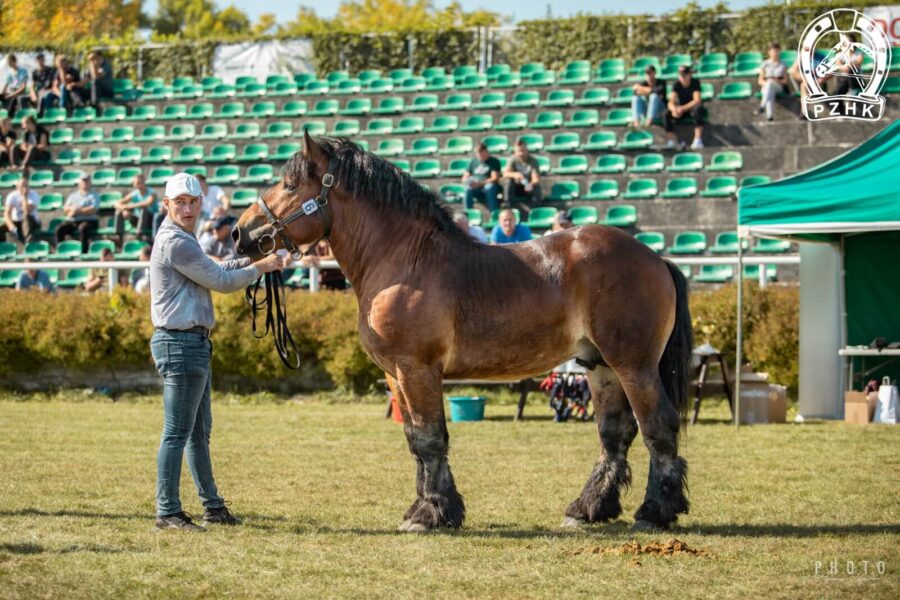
318	204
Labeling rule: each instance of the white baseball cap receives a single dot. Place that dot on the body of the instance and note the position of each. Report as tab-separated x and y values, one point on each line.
183	183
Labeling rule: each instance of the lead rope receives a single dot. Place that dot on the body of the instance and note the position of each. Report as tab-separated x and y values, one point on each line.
275	304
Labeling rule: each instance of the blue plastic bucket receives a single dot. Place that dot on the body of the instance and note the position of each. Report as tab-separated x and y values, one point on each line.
466	408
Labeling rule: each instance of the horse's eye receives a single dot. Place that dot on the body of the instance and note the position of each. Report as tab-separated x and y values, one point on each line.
289	186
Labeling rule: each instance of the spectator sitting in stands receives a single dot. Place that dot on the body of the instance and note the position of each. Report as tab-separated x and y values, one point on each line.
561	222
206	229
329	278
14	94
521	177
140	278
30	278
649	100
68	88
772	80
100	76
138	208
20	213
213	196
35	144
482	179
41	82
476	231
508	231
797	77
219	246
684	99
81	210
100	275
7	141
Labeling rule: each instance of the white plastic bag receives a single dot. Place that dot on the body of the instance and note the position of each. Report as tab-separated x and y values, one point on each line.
888	398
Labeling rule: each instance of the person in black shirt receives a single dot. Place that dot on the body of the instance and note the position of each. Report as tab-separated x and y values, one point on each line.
7	141
684	100
649	99
35	144
100	75
41	82
68	89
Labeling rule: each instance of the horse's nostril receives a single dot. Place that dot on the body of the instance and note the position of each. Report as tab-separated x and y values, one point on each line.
236	236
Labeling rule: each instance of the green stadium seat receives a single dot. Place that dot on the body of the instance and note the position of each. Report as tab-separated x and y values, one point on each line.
726	243
84	114
575	76
226	174
473	82
294	108
474	216
345	128
103	177
201	110
222	153
230	110
505	81
539	79
680	187
129	155
496	144
549	119
443	124
399	75
609	71
438	84
246	131
533	141
96	247
458	144
337	76
408	125
543	164
788	57
286	151
496	70
623	215
172	112
181	133
221	91
209	83
652	239
322	108
478	123
61	135
183	81
98	156
159	175
711	71
726	161
641	189
8	179
278	130
707	91
390	105
410	84
213	131
892	84
596	96
383	85
253	153
752	272
378	127
602	189
423	103
89	135
244	197
125	176
456	168
640	64
512	121
688	242
131	250
525	99
356	107
401	163
143	112
715	274
266	109
189	92
40	178
686	162
564	191
187	154
50	202
426	168
74	278
315	87
452	193
564	142
121	135
677	60
648	163
251	90
490	101
35	251
430	72
66	179
313	127
67	156
720	187
617	117
541	217
600	140
67	250
754	180
369	75
152	83
771	246
583	118
562	98
423	146
584	215
462	71
390	147
609	164
736	90
112	114
623	97
347	87
456	102
196	170
635	140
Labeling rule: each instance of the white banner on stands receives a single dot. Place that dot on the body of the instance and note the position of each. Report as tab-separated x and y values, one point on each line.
888	18
261	59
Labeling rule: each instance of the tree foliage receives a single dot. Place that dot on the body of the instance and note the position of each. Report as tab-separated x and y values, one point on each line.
62	23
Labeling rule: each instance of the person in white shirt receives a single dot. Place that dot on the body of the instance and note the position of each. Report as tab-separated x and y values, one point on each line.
20	213
213	197
772	80
13	94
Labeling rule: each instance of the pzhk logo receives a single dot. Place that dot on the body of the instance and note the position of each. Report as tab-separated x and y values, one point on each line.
849	48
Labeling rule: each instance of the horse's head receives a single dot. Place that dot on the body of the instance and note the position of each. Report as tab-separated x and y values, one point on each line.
295	216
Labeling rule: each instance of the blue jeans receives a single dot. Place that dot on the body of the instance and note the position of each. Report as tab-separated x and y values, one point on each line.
639	107
183	361
487	194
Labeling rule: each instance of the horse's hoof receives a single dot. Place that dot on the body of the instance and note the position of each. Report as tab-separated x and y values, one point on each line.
645	526
408	526
573	522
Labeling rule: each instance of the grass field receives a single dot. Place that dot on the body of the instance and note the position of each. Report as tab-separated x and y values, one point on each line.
323	486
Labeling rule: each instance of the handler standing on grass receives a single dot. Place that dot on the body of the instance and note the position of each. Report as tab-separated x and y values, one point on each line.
181	277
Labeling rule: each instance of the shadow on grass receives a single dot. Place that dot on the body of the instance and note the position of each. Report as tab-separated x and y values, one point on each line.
252	520
38	549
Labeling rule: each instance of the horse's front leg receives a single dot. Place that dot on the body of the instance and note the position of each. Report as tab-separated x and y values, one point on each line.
420	398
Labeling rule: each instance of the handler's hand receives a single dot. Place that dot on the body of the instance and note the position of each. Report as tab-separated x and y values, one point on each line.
272	262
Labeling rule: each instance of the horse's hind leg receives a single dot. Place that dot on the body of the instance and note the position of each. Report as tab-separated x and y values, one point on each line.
659	421
599	500
438	503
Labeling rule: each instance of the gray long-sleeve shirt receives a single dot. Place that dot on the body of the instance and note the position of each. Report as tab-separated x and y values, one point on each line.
181	277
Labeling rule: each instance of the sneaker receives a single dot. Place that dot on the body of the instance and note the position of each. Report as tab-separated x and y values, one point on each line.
671	144
696	144
220	515
180	520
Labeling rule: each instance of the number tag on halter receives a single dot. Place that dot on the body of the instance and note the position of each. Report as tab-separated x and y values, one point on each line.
309	207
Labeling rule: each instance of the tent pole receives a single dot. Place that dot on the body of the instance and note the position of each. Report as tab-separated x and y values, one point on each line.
740	333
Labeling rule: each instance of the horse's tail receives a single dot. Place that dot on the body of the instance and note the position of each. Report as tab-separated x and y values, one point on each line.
676	364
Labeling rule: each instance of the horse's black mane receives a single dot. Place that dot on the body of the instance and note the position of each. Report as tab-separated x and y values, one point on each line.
366	176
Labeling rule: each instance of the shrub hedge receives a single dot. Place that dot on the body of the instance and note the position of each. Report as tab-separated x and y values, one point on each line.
81	332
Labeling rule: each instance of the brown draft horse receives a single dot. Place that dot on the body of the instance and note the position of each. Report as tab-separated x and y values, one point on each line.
434	303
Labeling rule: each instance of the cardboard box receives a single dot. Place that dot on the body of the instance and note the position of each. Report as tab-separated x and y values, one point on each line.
856	408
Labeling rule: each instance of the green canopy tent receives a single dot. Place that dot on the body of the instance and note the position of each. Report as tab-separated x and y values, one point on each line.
845	213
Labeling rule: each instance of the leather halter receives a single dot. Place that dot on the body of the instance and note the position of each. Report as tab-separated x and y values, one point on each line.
313	205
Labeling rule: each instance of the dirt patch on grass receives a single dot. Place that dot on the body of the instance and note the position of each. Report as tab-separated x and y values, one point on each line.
672	547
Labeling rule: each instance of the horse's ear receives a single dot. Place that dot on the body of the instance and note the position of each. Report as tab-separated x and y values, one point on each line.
311	149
